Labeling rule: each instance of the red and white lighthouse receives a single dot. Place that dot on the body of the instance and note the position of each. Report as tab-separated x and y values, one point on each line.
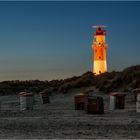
99	48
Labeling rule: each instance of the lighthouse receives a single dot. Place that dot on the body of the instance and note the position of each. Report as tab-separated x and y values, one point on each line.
99	49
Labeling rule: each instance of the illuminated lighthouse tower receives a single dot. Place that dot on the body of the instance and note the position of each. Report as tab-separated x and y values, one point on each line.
99	47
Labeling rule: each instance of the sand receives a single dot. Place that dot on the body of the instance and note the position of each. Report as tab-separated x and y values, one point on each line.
59	119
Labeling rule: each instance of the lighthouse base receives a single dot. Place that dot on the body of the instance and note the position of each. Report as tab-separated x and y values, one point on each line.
99	67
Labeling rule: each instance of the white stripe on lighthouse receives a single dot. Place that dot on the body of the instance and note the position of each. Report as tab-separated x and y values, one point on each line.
100	66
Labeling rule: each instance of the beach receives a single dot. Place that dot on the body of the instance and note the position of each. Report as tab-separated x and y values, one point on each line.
59	119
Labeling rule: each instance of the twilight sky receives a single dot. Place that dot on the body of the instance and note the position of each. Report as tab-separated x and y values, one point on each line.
51	40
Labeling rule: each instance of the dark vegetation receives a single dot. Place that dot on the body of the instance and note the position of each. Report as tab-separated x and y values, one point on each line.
126	80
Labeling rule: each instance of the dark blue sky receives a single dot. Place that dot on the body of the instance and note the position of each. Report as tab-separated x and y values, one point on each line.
50	40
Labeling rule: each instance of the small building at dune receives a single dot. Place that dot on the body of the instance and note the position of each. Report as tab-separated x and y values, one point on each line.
117	100
26	101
